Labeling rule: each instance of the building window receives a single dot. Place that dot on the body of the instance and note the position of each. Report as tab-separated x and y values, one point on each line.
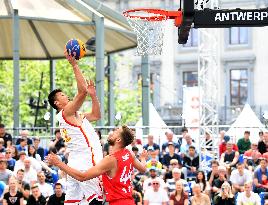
190	78
238	35
239	86
192	39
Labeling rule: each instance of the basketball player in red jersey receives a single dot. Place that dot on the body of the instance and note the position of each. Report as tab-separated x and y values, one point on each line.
116	168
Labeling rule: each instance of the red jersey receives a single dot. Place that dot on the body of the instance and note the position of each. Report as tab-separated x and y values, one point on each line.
118	190
222	148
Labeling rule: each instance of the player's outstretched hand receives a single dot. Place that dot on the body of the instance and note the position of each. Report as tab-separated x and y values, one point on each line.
53	159
91	88
144	154
70	58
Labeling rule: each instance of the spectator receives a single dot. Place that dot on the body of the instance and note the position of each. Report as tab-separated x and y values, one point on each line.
39	150
62	180
148	182
174	163
36	198
20	162
13	196
58	142
185	146
179	197
208	141
239	177
222	146
155	195
170	155
10	161
57	198
176	173
106	145
169	136
252	156
216	185
2	147
5	136
230	157
248	197
45	188
135	150
191	162
24	134
225	196
222	134
151	143
137	197
30	174
199	198
261	170
135	144
15	153
35	158
23	145
5	173
263	145
23	186
260	135
244	143
214	173
204	185
153	162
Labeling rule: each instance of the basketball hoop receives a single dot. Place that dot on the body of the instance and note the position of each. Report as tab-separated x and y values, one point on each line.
149	25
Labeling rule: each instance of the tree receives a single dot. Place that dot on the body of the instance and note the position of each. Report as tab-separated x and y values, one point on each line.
127	101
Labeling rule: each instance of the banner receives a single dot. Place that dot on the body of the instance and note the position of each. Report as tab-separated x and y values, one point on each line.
191	109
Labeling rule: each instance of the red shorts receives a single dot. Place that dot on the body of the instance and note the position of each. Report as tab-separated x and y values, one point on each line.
122	202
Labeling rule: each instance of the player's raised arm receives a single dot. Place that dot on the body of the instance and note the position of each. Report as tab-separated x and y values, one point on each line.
78	100
140	165
105	165
95	113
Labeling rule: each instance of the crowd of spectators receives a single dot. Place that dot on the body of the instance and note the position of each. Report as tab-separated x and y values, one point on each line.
239	175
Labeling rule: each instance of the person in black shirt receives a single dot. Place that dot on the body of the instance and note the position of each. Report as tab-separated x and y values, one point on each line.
263	145
36	198
5	136
151	143
170	155
57	198
13	196
39	150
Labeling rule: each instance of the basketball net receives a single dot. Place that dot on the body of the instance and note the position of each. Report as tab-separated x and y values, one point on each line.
149	35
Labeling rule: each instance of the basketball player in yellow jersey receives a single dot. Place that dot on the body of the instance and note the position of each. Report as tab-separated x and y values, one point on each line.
82	141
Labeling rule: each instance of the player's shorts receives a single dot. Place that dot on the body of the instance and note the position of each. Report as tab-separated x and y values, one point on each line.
80	191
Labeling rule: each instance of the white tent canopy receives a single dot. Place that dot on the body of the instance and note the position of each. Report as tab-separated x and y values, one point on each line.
246	121
157	126
46	25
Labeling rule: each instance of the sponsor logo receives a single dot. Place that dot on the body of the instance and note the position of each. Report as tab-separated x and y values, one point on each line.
241	16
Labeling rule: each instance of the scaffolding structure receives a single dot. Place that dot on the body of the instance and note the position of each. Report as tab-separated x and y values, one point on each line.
208	75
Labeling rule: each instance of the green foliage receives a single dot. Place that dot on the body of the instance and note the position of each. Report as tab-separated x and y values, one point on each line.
126	101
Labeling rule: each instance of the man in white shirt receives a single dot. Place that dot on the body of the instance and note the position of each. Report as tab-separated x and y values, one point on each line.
248	197
153	175
155	195
30	174
239	177
45	188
